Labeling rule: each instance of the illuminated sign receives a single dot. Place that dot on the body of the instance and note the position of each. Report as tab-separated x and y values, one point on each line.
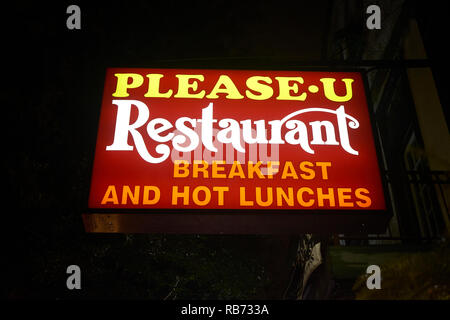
214	140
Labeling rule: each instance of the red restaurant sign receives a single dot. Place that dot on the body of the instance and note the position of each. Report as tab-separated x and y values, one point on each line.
207	140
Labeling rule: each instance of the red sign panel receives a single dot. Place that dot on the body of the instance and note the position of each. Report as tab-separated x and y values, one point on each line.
230	139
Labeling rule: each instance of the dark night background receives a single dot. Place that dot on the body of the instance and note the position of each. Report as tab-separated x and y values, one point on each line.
51	102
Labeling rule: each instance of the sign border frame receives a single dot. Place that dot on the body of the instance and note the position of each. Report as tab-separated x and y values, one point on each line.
120	220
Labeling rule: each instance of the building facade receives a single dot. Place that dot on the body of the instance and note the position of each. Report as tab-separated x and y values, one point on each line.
410	124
